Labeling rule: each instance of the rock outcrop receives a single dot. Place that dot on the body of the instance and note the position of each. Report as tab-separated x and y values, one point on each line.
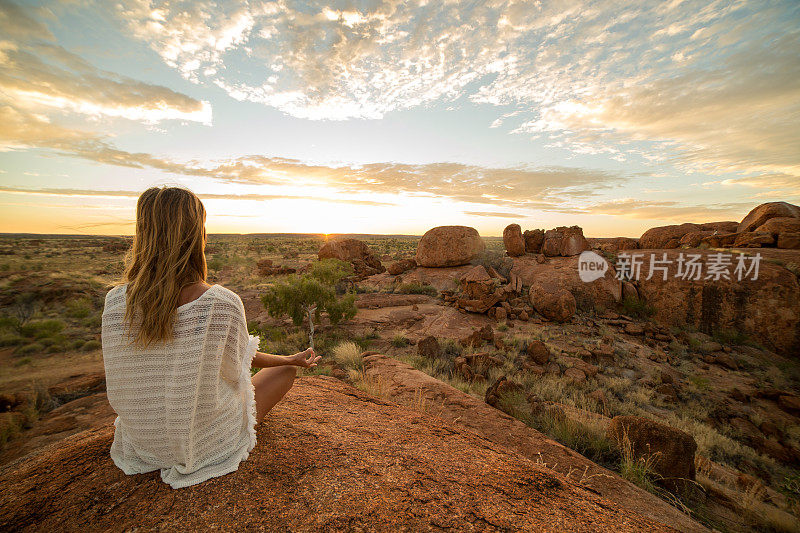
403	383
564	241
406	470
552	301
666	236
445	246
356	252
533	240
761	214
513	241
767	309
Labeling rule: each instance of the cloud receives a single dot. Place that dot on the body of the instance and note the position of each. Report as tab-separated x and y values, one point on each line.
38	74
492	214
551	188
706	86
670	211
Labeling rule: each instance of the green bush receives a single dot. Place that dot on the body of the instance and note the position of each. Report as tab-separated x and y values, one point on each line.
637	308
399	341
79	308
416	288
31	348
88	346
42	328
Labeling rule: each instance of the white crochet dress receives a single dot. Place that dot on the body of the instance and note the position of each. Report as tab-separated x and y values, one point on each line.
186	407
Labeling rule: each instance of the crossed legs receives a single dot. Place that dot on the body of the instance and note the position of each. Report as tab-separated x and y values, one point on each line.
271	384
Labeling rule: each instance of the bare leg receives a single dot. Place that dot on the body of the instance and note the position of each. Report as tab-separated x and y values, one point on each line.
271	385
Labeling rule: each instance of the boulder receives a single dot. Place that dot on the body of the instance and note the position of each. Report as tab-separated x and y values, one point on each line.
563	272
694	238
513	241
758	216
445	246
613	244
267	268
766	309
538	352
753	239
719	240
721	227
429	347
575	375
551	301
666	236
789	241
778	225
564	241
670	450
403	265
500	389
533	240
356	252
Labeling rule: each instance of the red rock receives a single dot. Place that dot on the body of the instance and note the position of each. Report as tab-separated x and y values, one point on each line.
694	238
778	225
552	302
429	347
398	267
513	241
562	272
76	486
564	241
789	403
613	244
575	375
533	240
356	252
500	313
758	216
752	239
666	236
720	240
672	450
720	305
720	227
444	246
789	241
538	352
499	390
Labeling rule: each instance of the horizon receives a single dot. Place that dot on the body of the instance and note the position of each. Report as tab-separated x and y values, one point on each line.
393	119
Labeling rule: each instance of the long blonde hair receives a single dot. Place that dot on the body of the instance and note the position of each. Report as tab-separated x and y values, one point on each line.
168	254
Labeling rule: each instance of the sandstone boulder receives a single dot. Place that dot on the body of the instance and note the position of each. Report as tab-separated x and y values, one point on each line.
538	352
694	238
753	239
563	272
551	301
666	236
356	252
766	309
429	347
513	241
300	461
445	246
789	241
776	226
721	227
671	450
613	244
564	241
403	265
758	216
533	240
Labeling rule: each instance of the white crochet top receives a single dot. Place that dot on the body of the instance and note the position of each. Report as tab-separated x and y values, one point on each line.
186	407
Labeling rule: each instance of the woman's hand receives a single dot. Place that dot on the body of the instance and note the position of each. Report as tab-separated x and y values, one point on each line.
307	358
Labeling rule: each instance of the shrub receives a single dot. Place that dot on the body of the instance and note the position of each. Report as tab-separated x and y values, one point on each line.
416	288
79	308
348	355
42	328
399	341
636	307
31	348
88	346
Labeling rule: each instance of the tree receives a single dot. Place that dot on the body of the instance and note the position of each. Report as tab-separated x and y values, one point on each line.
315	291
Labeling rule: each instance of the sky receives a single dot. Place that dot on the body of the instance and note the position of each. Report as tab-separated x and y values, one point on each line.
394	117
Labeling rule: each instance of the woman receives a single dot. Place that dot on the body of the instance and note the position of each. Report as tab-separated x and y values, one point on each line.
177	353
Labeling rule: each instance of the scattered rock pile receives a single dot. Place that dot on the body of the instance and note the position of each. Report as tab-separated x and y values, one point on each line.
562	241
484	290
